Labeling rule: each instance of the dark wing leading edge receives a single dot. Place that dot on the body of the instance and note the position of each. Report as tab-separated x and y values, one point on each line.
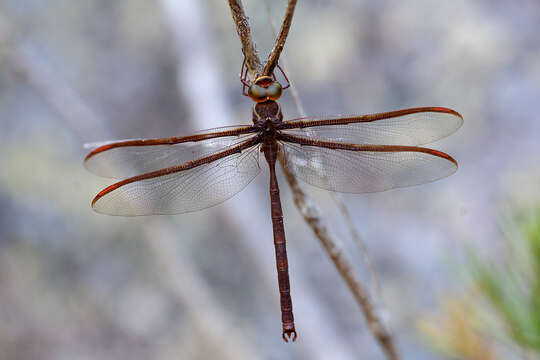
412	127
191	186
353	168
126	158
370	153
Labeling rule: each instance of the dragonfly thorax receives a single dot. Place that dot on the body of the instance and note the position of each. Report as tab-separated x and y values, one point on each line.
266	113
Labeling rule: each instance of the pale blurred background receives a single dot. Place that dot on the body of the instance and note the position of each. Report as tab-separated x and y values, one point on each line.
78	285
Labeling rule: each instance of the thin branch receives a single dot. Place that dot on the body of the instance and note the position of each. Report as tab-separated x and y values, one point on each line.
244	32
273	58
311	215
284	63
357	239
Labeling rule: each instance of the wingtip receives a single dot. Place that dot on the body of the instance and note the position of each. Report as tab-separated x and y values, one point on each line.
447	110
444	156
105	191
97	151
96	198
86	158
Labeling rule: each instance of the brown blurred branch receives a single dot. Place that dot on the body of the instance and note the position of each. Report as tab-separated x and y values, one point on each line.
357	239
311	214
273	58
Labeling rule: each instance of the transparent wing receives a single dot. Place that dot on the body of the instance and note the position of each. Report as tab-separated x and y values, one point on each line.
127	158
184	191
366	171
410	127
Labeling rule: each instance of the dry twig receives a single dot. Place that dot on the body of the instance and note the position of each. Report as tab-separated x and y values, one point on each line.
358	240
244	32
293	89
311	213
273	58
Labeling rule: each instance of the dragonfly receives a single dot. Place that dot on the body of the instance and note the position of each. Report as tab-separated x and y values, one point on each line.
349	154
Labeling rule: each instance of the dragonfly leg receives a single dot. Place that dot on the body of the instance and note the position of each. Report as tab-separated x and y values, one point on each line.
243	77
285	76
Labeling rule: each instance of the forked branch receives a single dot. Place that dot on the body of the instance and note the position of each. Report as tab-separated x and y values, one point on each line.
306	207
253	61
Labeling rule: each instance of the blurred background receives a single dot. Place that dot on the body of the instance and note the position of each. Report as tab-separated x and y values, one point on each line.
452	258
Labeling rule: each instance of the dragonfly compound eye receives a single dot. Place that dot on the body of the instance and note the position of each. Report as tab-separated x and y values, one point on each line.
257	93
274	91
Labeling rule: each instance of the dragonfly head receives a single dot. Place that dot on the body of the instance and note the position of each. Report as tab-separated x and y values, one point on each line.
265	88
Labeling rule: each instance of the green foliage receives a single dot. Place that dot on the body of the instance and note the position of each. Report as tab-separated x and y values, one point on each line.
513	287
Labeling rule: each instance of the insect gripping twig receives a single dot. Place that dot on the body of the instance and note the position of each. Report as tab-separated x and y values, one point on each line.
305	205
248	46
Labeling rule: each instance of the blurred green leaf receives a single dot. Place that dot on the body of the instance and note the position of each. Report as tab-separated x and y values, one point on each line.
513	288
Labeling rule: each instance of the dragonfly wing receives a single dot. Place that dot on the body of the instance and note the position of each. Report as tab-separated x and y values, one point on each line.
185	188
362	171
410	127
127	158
